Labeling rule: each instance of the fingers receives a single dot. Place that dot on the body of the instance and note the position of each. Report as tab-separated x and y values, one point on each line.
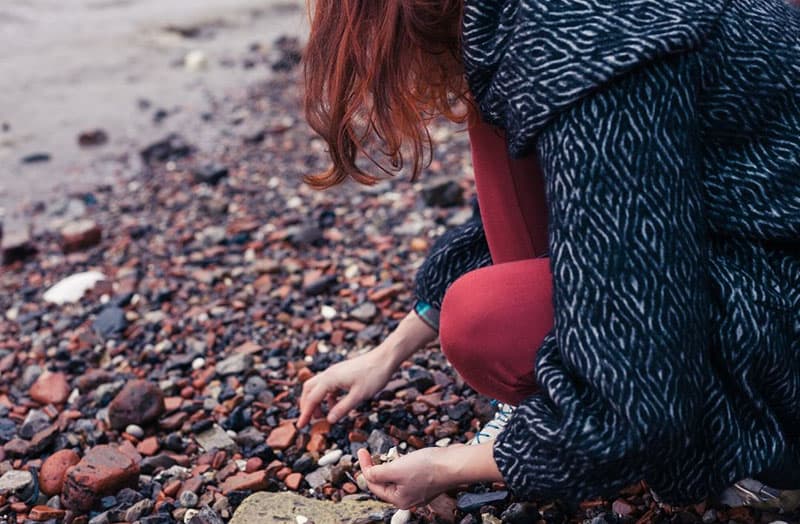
347	403
312	395
377	482
374	474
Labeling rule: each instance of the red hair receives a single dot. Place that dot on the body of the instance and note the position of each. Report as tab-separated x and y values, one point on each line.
376	73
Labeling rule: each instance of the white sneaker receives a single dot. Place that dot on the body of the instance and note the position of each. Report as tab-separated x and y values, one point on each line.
751	492
494	426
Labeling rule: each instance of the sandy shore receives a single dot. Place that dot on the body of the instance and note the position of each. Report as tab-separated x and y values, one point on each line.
74	65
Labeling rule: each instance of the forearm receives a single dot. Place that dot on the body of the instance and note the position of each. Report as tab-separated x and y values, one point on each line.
469	465
410	335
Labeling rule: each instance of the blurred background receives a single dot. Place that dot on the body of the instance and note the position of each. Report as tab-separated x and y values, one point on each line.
84	82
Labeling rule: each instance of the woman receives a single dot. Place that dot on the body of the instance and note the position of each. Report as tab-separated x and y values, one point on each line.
659	338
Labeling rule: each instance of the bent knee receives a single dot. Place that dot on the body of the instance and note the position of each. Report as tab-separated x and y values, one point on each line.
463	320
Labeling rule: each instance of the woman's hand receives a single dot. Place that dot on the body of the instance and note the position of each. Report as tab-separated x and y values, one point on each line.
365	375
362	377
419	477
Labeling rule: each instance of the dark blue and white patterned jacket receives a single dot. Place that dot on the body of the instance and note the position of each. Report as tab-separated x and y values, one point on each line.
669	135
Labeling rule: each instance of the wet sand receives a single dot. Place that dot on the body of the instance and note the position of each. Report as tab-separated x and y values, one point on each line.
69	66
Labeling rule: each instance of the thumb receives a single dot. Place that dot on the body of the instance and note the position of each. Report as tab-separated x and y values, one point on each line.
342	407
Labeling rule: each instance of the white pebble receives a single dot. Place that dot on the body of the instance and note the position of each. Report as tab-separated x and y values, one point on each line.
195	60
443	443
135	431
330	458
401	516
328	313
300	519
198	363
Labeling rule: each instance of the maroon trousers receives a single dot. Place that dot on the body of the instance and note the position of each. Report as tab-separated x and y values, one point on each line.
494	319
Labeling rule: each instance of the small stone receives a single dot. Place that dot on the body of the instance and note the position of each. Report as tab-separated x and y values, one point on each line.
34	422
72	288
138	510
234	365
520	513
293	481
188	499
140	402
103	471
206	516
45	513
195	60
488	518
134	431
622	507
110	322
16	247
331	458
246	481
15	481
282	437
364	312
211	174
319	477
54	469
50	388
92	138
255	385
379	442
401	516
80	235
215	438
469	502
443	192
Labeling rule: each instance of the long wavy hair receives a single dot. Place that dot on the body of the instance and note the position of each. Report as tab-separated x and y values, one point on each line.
376	73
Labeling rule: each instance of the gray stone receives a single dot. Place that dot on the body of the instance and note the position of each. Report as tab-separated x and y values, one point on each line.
206	515
33	423
469	502
111	321
16	481
215	438
134	431
188	499
379	442
280	508
234	365
141	508
255	385
319	477
365	312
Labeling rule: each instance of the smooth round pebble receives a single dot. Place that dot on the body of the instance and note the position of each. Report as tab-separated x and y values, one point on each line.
188	499
134	431
330	458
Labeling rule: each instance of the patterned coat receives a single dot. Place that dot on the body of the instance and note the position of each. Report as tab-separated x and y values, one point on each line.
669	135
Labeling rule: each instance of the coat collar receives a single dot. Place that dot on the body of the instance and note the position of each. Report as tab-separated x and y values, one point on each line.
527	60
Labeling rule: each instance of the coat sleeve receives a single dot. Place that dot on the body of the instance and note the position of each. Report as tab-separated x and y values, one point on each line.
458	251
618	373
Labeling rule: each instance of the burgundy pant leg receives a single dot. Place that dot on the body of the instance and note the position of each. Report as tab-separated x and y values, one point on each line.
494	319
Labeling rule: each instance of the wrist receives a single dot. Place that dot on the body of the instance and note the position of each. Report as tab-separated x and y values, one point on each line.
469	465
411	335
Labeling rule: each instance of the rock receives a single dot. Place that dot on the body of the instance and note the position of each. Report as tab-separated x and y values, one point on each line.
622	507
54	469
278	508
15	482
206	516
188	499
92	138
140	402
293	481
215	438
365	312
172	147
36	158
138	510
8	430
46	513
469	502
104	470
50	388
330	458
235	364
401	516
520	513
379	442
211	175
282	437
443	192
319	477
195	60
320	285
111	321
16	247
134	431
34	422
72	288
256	481
488	518
255	385
79	235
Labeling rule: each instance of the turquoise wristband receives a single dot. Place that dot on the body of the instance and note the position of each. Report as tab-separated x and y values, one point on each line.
428	313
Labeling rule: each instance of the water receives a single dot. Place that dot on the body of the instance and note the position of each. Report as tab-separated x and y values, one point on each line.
67	66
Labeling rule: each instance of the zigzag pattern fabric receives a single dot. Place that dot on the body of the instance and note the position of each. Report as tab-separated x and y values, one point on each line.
458	251
669	135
